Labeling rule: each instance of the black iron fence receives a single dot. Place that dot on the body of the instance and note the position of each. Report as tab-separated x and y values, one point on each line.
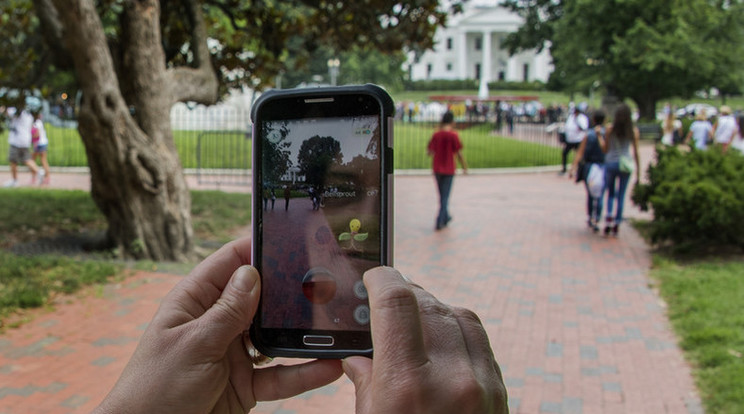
215	143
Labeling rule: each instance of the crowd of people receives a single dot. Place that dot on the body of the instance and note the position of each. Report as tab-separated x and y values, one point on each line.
28	142
607	154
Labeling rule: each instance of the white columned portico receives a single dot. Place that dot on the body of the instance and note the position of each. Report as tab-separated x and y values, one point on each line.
462	54
485	65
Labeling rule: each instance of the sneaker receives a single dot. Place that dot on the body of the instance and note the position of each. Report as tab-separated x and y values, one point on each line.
46	181
41	177
11	184
614	230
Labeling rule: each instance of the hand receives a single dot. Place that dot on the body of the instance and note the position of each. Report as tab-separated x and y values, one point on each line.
429	358
191	358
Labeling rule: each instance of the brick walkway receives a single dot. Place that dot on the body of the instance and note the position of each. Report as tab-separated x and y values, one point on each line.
570	314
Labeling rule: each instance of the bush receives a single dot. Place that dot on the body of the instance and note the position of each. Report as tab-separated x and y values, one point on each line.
441	85
697	198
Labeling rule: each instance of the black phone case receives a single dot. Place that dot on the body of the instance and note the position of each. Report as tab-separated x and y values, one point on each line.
386	124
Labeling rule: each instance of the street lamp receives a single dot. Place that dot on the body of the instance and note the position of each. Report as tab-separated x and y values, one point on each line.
333	65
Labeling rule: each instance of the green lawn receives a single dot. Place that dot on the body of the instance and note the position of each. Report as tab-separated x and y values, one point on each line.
207	149
706	309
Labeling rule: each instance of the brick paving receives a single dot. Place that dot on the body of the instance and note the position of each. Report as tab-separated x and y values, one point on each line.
571	315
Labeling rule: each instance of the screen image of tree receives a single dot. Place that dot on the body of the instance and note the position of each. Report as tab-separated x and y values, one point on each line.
318	243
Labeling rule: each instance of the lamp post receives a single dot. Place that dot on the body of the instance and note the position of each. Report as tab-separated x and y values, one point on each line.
333	65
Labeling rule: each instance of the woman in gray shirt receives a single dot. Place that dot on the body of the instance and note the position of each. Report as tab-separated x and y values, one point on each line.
618	165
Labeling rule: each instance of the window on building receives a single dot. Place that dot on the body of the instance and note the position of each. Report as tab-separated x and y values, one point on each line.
478	43
449	67
526	72
502	75
449	43
477	71
428	71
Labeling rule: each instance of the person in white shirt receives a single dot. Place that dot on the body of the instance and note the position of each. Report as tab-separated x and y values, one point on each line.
575	128
700	131
725	128
19	140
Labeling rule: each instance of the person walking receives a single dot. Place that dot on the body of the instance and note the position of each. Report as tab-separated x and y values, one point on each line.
621	135
592	156
575	128
700	131
725	128
40	144
671	128
444	147
19	140
287	196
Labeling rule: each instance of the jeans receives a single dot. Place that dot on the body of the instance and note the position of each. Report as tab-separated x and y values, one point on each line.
568	147
616	183
444	184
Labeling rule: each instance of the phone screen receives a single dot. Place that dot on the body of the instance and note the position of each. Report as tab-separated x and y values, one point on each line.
319	223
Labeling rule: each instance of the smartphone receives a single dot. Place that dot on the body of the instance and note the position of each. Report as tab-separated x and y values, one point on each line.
322	215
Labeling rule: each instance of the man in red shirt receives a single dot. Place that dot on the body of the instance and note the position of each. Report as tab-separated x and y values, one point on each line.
444	146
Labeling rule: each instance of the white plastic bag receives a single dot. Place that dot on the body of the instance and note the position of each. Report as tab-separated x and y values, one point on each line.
595	180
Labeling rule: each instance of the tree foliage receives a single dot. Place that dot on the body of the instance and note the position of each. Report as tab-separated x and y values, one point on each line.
645	50
317	156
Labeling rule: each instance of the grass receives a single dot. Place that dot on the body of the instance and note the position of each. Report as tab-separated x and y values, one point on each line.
29	214
214	149
480	148
29	282
706	302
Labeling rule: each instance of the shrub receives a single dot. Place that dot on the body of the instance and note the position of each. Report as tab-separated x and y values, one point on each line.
441	85
697	198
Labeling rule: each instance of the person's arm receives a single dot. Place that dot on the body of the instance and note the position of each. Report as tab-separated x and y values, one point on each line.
429	357
605	143
192	359
636	139
461	159
579	156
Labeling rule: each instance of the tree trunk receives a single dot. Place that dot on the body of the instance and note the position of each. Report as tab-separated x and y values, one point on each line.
646	103
136	176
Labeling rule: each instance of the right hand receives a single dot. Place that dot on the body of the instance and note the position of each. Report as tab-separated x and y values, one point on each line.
429	357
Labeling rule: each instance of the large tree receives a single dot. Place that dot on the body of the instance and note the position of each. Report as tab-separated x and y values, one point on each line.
644	50
135	58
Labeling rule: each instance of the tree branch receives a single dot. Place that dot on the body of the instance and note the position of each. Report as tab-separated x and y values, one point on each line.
51	29
200	83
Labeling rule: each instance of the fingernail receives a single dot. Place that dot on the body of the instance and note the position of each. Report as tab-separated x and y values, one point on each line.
244	278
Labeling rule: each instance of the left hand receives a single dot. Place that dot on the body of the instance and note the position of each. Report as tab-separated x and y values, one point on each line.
191	358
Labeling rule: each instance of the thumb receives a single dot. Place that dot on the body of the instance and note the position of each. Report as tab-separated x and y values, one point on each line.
235	308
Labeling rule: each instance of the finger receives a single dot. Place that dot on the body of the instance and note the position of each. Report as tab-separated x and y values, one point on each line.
397	335
476	341
279	382
217	269
233	312
484	363
204	285
359	371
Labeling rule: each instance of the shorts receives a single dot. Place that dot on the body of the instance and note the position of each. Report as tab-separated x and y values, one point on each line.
38	149
18	155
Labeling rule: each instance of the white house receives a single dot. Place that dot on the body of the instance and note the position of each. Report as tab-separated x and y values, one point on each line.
470	48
